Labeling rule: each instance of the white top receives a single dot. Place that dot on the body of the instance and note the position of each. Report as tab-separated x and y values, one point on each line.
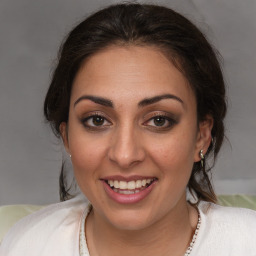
55	229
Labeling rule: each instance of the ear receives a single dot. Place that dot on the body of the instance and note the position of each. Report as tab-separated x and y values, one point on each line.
204	137
64	135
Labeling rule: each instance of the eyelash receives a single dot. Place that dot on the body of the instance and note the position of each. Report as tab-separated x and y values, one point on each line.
171	122
95	127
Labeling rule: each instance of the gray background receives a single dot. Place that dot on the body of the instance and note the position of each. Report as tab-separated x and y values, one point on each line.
30	33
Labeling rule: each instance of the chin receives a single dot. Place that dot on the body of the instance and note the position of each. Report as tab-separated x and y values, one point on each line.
130	219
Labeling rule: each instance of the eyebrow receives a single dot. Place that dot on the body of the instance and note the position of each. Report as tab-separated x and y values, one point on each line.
95	99
149	101
143	103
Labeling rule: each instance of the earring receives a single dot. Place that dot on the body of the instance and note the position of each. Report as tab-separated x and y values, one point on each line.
202	157
70	156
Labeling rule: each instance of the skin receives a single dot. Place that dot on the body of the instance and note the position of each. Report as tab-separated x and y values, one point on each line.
130	141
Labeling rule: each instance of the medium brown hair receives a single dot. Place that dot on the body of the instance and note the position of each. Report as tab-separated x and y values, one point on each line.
146	25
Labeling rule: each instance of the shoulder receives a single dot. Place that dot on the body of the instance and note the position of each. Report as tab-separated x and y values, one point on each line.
227	230
229	216
218	212
55	224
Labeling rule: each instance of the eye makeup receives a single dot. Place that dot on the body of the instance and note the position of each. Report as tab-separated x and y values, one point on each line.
154	120
160	121
95	121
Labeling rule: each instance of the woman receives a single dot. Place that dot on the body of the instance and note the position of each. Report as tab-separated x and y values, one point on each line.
138	99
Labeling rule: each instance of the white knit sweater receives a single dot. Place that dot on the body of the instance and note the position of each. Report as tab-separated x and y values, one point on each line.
54	230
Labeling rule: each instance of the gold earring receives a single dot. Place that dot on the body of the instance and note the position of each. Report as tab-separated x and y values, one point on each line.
202	157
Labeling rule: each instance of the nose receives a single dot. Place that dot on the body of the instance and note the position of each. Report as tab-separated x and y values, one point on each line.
126	148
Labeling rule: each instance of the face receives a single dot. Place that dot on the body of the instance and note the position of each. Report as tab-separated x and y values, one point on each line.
133	135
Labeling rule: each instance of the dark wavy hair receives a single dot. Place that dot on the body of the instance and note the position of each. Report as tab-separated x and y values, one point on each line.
145	25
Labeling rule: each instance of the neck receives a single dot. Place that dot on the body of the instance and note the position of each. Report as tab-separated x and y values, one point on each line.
172	233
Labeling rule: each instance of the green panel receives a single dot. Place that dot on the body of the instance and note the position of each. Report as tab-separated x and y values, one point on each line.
243	201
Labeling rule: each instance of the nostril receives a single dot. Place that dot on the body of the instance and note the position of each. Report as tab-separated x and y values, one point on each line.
126	157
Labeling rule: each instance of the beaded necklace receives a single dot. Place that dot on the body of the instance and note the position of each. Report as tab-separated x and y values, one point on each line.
84	249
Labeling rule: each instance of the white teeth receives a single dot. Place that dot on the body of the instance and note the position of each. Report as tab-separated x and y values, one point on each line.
126	192
131	185
123	185
116	184
138	183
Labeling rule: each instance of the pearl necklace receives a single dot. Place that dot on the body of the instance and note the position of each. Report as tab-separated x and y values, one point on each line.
82	243
84	249
191	245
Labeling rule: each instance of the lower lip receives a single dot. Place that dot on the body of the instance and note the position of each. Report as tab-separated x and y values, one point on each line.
128	199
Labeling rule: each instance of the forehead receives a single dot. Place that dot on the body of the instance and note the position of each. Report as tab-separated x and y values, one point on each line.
130	72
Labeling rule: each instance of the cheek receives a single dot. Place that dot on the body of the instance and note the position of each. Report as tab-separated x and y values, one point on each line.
87	155
174	155
174	162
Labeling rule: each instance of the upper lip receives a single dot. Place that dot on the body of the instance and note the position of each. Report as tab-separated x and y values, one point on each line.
128	178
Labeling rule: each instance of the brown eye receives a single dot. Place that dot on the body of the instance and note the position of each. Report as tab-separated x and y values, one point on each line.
98	120
159	121
95	121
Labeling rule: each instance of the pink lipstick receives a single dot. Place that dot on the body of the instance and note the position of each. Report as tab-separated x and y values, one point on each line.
128	190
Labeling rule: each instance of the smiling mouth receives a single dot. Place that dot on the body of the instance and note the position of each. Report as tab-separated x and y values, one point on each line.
129	187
